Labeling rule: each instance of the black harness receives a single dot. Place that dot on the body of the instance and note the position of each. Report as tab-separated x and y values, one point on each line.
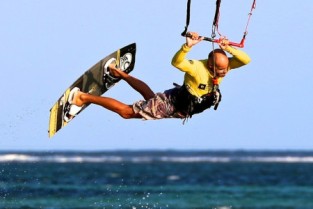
188	104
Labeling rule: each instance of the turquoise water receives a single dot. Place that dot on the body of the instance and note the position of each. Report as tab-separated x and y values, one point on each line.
184	180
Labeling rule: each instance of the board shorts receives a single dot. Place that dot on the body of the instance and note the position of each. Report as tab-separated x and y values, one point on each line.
158	107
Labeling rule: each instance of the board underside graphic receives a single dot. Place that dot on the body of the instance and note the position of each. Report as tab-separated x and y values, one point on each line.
95	81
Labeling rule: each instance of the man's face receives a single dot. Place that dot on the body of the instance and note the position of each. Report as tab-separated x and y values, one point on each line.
221	66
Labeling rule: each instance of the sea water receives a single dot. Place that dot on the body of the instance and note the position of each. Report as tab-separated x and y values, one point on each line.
157	179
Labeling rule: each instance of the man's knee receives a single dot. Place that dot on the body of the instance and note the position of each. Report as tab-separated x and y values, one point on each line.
128	113
149	95
126	116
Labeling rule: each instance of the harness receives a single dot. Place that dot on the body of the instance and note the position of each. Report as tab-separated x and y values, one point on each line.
188	104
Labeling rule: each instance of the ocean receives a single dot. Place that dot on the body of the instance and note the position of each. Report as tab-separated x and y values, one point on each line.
157	179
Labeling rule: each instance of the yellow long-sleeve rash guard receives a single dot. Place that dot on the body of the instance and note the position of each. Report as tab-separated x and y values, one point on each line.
198	78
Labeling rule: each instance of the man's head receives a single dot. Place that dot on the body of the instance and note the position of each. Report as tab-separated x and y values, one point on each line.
220	59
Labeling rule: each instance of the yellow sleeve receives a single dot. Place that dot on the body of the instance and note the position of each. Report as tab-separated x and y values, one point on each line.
239	58
180	62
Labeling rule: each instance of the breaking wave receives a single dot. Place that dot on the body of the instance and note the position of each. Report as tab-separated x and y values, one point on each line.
149	157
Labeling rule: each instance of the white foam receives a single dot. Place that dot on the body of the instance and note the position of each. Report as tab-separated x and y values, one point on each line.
18	158
68	158
193	159
173	178
285	159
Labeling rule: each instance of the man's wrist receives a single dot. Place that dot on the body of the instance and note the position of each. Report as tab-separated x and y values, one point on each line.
188	46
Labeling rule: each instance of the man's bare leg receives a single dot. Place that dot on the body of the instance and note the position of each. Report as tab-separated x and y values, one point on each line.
125	111
135	83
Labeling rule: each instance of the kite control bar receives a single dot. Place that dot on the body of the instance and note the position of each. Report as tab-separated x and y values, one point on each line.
215	24
240	45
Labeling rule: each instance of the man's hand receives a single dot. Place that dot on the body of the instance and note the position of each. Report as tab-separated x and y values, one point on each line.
192	39
223	43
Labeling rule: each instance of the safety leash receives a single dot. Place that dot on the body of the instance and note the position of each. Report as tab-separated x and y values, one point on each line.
217	96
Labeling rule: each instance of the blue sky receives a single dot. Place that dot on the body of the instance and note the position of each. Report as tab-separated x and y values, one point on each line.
46	45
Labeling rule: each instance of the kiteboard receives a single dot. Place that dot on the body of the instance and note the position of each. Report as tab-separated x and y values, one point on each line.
96	81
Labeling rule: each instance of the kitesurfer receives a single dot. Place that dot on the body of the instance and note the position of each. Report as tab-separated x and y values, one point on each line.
194	96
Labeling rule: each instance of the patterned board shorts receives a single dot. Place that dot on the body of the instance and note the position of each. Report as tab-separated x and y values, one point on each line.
157	107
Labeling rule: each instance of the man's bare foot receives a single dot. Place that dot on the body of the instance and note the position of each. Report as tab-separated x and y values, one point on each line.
77	99
115	71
